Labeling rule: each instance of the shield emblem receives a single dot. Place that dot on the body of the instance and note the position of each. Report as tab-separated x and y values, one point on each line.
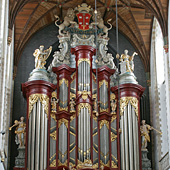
83	19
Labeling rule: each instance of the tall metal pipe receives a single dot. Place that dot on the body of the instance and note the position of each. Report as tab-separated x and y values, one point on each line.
130	120
126	139
33	136
45	141
29	139
37	146
42	140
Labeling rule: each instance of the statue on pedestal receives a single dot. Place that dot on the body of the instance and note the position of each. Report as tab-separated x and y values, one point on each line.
41	57
145	129
20	139
113	107
20	132
54	104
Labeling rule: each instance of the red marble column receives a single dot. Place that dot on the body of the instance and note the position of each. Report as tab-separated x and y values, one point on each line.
84	53
63	73
36	87
131	90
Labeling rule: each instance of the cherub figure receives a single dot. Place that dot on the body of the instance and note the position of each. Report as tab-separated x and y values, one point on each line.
113	107
41	56
20	132
72	104
54	104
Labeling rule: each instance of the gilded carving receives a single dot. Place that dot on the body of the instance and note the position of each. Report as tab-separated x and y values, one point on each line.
84	105
102	122
84	59
113	137
53	163
63	80
53	116
102	164
112	96
84	94
65	121
124	102
72	95
101	83
104	110
113	164
53	135
63	108
60	164
44	99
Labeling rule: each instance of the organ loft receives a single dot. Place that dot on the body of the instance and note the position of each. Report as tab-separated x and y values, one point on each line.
83	111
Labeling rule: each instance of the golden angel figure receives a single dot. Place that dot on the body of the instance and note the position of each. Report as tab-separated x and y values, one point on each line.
20	131
41	56
144	129
72	104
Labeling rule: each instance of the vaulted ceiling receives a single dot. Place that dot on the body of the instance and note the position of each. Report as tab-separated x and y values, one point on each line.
135	18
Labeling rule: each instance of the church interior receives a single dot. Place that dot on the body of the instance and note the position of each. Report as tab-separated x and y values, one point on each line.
84	85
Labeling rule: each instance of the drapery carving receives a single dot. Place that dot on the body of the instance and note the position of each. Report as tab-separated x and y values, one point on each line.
44	99
124	102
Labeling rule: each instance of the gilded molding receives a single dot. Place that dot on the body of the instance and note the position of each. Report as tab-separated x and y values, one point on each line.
63	80
84	59
84	105
53	135
101	83
124	102
44	99
65	121
102	122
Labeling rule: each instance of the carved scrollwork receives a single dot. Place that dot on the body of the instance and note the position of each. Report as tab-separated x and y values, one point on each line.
63	80
84	105
44	99
124	102
84	59
65	121
101	83
102	122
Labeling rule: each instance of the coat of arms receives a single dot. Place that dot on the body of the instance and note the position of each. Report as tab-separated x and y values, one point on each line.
83	19
84	16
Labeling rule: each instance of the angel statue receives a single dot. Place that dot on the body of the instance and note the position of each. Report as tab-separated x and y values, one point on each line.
144	129
41	56
128	59
72	104
20	132
54	104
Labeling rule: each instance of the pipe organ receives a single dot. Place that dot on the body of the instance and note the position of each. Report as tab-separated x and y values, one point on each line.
82	121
